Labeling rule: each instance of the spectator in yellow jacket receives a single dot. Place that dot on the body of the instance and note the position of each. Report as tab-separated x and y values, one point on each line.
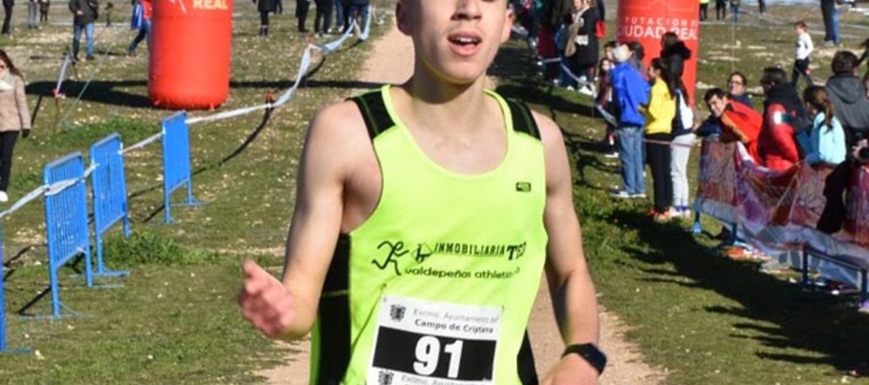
659	124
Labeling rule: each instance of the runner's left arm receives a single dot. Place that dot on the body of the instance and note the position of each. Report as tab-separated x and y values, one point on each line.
571	288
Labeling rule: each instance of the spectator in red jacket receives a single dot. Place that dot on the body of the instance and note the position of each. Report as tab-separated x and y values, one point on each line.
738	122
783	117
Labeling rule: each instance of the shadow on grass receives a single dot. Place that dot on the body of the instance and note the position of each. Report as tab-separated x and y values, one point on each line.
101	91
803	320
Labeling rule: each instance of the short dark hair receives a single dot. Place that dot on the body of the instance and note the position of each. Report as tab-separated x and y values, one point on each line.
844	63
773	76
610	44
714	93
801	24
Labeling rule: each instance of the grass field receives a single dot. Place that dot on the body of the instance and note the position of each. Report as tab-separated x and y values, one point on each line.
698	316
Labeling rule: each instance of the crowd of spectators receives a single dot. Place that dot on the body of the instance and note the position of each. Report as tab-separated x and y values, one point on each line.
652	121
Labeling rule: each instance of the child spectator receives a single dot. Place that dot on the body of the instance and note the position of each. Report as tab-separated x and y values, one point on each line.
827	141
109	8
604	95
43	10
804	48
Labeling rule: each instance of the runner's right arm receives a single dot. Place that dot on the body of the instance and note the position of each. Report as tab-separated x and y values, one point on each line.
287	309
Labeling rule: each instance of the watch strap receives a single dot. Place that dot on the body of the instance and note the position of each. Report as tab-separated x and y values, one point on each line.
590	353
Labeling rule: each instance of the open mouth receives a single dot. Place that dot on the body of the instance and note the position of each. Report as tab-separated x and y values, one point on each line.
465	41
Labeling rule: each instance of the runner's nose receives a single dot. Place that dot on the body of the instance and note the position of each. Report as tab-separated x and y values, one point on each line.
467	10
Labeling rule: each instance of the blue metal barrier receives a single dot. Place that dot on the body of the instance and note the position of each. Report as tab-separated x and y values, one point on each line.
66	220
109	188
176	160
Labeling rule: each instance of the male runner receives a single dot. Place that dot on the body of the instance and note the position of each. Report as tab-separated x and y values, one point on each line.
425	215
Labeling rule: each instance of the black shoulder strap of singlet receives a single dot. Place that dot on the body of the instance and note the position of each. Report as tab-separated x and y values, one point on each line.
374	112
523	121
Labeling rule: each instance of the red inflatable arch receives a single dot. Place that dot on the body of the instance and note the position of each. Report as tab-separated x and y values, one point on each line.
190	53
646	20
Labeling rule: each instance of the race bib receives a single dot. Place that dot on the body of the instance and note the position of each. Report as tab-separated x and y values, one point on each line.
434	343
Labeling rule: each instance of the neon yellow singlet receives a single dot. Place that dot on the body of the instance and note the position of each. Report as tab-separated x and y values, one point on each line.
436	287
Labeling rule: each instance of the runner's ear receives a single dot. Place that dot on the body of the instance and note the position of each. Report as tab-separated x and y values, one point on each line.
402	18
508	25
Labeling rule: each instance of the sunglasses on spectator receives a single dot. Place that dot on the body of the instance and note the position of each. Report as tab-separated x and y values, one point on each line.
734	83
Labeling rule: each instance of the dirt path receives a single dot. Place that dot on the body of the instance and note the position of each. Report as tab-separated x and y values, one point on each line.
390	62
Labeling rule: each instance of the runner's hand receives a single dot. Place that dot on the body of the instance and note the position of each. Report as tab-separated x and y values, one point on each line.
265	301
571	370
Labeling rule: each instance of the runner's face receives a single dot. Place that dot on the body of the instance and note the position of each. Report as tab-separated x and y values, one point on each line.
456	40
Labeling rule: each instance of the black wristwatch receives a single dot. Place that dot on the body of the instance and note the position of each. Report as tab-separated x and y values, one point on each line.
590	353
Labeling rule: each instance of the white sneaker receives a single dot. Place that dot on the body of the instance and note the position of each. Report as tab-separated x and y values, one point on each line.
622	194
638	196
586	91
3	197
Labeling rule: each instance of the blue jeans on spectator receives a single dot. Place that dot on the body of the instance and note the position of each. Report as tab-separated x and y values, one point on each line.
734	12
89	39
834	28
144	32
339	14
565	80
630	144
363	15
